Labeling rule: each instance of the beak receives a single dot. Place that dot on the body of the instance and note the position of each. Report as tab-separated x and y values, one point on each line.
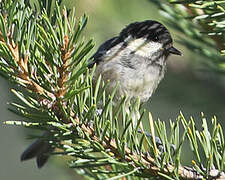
173	50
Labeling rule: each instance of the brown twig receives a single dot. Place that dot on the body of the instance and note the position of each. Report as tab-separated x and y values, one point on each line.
107	143
183	171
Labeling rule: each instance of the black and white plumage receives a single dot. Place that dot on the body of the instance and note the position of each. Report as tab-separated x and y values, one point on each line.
136	58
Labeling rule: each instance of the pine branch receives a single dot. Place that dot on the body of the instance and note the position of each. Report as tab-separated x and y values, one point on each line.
202	23
45	55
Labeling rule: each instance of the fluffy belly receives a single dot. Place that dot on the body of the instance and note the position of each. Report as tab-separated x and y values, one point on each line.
141	83
133	83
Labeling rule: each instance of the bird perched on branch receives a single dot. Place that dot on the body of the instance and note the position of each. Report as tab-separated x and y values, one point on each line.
136	58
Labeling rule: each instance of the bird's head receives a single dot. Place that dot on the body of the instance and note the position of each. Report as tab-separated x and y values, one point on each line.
148	37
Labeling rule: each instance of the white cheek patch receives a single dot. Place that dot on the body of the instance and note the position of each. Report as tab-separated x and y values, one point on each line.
143	47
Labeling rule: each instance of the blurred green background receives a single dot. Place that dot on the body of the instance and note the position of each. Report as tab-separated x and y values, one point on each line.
185	88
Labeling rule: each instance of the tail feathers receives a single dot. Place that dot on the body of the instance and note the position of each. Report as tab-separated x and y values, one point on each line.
39	149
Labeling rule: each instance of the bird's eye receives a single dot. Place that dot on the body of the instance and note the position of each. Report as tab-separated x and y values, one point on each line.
156	38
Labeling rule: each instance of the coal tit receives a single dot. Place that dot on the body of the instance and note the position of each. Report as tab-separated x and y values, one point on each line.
136	58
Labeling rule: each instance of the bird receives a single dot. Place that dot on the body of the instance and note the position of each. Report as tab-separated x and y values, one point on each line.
136	58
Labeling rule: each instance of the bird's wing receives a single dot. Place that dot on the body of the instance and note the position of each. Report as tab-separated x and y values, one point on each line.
106	46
